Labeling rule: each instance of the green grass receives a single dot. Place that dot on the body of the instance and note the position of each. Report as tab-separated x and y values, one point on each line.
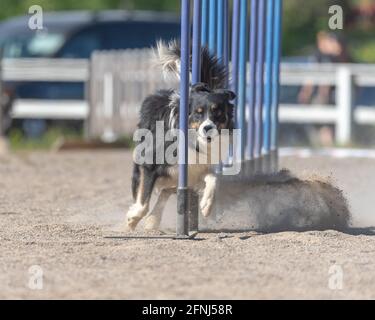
53	136
18	141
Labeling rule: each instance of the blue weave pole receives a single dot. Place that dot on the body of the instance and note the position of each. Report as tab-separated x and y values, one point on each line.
220	45
241	105
197	26
259	80
252	85
235	44
212	36
220	29
226	41
268	80
276	73
182	228
205	21
234	56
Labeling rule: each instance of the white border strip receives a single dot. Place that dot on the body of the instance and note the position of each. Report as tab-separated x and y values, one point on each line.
333	153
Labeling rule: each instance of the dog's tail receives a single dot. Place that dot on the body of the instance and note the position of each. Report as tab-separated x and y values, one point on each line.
168	56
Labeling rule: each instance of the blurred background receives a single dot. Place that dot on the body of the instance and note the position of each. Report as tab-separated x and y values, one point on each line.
83	76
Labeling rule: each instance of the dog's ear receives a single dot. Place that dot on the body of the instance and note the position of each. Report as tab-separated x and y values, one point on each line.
200	87
228	93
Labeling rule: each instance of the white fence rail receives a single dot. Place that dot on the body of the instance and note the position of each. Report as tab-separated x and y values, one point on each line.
117	82
65	70
345	78
47	70
139	78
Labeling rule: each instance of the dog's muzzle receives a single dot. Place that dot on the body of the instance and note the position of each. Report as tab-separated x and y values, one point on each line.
208	130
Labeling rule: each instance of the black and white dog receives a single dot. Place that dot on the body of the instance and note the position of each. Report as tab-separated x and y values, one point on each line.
210	112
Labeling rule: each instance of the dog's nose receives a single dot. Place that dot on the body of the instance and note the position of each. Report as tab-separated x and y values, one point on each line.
207	129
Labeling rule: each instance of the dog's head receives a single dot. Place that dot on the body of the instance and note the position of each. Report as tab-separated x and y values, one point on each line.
210	111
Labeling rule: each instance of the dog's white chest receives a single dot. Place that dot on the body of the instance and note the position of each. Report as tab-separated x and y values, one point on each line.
196	176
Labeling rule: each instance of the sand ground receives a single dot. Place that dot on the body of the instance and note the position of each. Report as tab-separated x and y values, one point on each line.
55	210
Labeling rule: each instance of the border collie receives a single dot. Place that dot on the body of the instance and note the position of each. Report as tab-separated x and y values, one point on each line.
210	112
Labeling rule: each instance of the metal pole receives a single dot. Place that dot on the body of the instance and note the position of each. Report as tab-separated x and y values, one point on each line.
220	29
268	80
213	26
226	41
241	106
252	86
235	42
182	192
220	48
196	77
197	26
259	80
205	21
225	61
276	74
234	58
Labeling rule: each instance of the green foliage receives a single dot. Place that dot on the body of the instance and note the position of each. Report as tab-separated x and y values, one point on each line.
365	52
9	8
302	19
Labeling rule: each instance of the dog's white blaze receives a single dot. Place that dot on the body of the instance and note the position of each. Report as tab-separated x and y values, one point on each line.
196	174
204	124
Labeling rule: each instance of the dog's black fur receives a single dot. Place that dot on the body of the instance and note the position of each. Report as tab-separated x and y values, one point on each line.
209	106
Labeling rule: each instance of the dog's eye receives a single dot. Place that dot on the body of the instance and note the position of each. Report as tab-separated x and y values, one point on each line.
199	110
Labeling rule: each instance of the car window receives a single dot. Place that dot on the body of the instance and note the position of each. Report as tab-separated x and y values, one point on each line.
38	44
82	44
45	44
131	35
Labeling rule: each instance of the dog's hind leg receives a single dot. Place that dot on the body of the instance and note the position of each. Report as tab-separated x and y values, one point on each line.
135	180
145	185
154	218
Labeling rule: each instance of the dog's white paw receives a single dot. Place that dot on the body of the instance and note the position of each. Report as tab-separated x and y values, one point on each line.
132	223
206	206
135	215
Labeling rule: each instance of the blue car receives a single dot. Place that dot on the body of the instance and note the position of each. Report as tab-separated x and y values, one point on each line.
77	35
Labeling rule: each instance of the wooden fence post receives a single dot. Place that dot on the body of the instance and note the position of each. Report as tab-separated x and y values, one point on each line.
345	99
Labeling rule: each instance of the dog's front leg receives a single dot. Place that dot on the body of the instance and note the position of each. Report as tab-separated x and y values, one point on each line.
208	197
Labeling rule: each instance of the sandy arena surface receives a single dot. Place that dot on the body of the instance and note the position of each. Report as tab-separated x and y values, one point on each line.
55	210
